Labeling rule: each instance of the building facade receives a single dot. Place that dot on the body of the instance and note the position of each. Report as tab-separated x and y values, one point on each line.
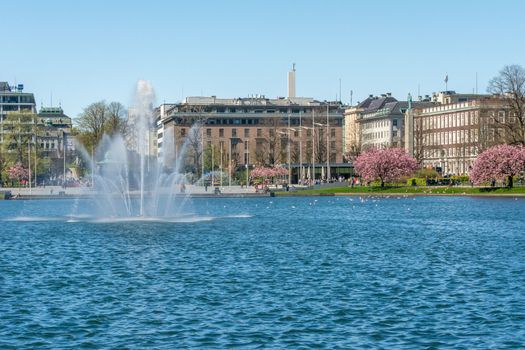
377	122
13	99
254	131
449	137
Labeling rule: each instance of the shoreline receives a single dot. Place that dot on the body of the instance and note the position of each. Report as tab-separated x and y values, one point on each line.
396	194
288	194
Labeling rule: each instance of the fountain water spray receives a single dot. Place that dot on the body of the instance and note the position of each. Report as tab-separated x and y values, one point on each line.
126	172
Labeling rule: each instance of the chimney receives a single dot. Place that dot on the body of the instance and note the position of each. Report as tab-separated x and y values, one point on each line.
291	82
388	94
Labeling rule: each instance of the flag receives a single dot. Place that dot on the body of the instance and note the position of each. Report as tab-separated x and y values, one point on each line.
446	78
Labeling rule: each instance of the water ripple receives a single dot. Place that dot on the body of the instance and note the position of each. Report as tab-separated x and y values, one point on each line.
299	273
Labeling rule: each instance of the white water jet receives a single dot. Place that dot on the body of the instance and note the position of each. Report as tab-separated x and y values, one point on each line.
131	180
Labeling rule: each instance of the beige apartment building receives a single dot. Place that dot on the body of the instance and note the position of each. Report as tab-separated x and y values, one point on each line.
449	137
377	122
256	130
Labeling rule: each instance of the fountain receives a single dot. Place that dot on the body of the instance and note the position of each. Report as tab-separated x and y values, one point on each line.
131	182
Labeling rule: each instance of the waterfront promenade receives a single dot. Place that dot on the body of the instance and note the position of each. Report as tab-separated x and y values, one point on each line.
59	191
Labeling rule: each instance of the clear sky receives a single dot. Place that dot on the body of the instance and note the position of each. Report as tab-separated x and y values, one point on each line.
84	51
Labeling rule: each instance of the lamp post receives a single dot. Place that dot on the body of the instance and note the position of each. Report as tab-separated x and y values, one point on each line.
202	156
222	168
212	166
29	163
288	144
247	163
64	151
327	144
313	146
300	147
288	149
230	164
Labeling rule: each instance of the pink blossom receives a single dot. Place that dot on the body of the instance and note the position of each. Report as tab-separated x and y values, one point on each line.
18	172
267	173
498	163
384	165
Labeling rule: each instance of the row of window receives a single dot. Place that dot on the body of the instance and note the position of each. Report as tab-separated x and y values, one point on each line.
282	110
256	121
452	120
467	151
17	99
259	132
451	137
383	123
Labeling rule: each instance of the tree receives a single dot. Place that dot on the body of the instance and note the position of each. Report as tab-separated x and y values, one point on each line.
498	163
100	118
384	165
195	146
510	85
18	172
264	174
116	119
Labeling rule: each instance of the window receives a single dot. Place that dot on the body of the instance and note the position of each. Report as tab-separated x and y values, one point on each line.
182	132
246	132
234	132
394	122
332	132
221	132
259	132
208	132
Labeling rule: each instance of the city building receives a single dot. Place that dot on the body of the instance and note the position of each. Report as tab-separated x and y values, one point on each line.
54	128
449	136
377	122
13	99
295	132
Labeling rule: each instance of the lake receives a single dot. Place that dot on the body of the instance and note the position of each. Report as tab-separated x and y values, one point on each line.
296	273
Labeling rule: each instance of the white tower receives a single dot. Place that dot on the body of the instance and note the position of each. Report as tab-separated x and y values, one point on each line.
291	82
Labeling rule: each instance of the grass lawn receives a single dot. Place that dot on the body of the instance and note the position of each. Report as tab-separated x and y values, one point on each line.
411	190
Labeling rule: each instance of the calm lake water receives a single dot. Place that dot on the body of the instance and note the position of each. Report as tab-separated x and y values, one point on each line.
295	273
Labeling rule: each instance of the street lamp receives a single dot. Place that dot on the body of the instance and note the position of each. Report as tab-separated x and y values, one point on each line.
288	144
288	150
327	147
328	144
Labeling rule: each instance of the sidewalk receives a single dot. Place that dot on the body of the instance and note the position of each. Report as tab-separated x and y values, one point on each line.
58	191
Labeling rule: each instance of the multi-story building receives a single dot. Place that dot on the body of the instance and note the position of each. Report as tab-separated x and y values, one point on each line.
54	128
257	131
450	136
377	122
13	99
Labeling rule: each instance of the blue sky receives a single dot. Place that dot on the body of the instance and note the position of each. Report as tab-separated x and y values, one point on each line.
85	51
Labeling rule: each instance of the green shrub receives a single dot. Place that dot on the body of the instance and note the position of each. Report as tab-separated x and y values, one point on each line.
417	181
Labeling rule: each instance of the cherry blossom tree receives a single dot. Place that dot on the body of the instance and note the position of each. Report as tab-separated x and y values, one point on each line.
264	173
498	163
385	165
18	172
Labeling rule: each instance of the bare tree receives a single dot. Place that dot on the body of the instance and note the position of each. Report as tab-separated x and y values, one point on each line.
510	85
195	148
91	124
419	144
115	118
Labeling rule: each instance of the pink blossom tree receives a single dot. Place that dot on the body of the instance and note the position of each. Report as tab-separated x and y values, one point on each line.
385	165
18	172
264	173
498	163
